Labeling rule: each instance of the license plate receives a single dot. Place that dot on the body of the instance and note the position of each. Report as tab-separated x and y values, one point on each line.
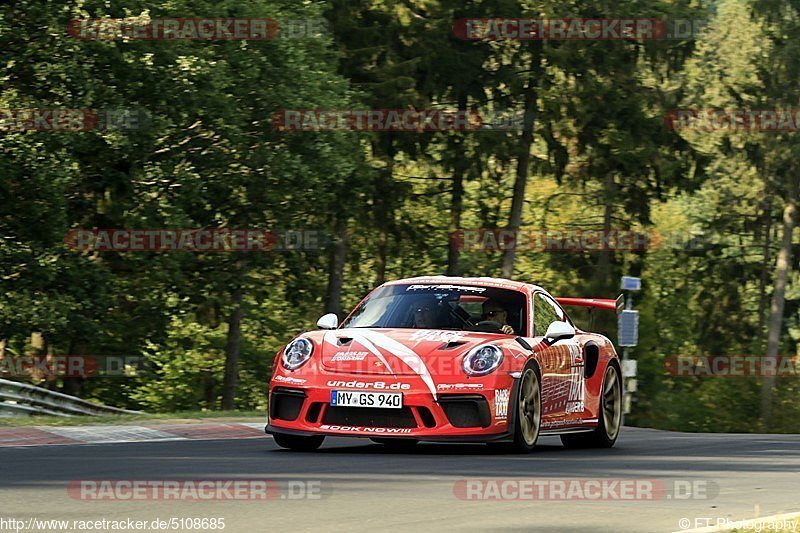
355	398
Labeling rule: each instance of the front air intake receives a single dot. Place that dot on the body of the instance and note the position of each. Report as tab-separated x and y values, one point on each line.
285	403
466	410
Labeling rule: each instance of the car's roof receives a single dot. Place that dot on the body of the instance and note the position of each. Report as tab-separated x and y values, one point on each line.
480	281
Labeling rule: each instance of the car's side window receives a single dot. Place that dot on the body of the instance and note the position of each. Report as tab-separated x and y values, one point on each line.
545	312
556	309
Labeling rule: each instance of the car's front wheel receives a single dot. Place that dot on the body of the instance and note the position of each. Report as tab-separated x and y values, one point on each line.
299	443
609	419
529	411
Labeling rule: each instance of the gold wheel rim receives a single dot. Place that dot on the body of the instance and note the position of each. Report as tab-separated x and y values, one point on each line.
612	403
530	407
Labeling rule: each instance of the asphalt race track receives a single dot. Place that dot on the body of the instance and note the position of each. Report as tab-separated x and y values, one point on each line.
365	486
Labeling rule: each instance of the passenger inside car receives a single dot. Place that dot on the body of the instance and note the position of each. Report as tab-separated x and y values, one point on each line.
424	317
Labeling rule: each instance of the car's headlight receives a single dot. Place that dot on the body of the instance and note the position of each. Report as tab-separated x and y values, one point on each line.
297	353
482	360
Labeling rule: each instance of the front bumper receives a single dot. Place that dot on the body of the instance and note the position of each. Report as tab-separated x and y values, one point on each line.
470	415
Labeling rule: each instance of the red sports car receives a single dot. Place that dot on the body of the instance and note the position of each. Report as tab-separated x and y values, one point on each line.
449	359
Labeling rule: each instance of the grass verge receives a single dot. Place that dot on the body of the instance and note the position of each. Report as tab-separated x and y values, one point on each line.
181	417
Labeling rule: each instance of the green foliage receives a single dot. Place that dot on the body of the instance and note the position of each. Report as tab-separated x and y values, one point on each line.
209	157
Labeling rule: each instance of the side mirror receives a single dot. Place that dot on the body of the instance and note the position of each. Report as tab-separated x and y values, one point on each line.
559	331
329	321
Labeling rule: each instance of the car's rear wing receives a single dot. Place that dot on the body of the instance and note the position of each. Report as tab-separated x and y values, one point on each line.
595	303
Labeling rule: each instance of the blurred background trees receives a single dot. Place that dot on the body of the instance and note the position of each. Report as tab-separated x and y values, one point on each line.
593	153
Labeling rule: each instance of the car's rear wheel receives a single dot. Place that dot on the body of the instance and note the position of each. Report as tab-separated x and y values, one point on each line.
397	444
609	418
529	411
299	443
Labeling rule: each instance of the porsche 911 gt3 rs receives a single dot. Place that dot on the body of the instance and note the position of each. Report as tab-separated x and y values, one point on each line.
449	359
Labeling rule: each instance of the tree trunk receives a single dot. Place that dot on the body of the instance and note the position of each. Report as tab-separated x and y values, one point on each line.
523	159
782	267
457	199
382	201
74	385
603	272
762	285
336	261
208	391
232	347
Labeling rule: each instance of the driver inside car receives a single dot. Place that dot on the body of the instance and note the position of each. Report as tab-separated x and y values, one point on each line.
495	312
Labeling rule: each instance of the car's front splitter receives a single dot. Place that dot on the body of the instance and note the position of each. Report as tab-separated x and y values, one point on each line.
506	435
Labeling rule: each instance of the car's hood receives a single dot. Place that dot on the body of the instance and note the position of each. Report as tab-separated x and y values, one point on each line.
397	351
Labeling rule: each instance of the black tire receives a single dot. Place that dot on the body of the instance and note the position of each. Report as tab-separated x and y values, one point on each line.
397	444
609	423
528	405
298	443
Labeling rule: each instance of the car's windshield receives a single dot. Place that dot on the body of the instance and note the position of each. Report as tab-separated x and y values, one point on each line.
441	306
